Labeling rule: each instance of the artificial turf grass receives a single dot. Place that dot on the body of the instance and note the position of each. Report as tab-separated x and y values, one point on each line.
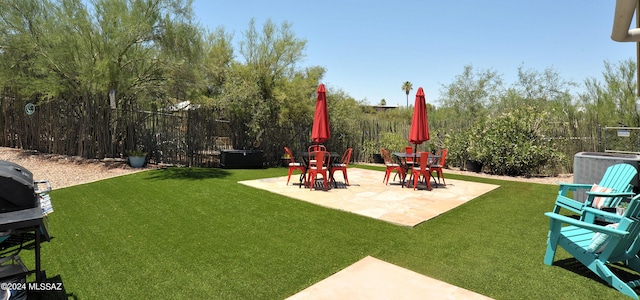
210	222
501	245
197	233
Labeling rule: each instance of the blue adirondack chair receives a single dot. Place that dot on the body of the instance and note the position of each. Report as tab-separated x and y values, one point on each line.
617	178
621	248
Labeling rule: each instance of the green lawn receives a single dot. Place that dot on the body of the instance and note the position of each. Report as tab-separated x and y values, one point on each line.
197	234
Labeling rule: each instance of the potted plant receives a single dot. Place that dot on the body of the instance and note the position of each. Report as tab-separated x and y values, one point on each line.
473	152
621	208
371	152
137	158
472	163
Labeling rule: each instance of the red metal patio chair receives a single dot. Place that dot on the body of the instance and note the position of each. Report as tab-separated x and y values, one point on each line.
409	160
314	148
341	166
391	166
437	166
293	165
422	171
320	167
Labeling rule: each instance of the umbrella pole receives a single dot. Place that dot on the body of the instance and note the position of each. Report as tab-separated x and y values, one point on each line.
413	162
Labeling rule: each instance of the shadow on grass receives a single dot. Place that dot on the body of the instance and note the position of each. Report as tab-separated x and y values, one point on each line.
189	173
575	266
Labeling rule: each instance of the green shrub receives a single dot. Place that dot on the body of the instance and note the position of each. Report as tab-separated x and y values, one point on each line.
457	144
513	144
393	141
369	148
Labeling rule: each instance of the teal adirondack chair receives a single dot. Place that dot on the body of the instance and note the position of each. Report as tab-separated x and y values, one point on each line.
622	246
617	177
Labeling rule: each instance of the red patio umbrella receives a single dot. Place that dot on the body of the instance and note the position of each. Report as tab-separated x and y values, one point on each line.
320	131
419	131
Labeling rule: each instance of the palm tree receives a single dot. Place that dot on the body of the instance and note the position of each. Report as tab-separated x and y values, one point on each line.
407	87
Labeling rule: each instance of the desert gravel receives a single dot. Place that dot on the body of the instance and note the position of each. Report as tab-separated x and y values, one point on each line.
63	171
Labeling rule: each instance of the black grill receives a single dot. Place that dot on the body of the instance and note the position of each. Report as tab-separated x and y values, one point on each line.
16	188
22	221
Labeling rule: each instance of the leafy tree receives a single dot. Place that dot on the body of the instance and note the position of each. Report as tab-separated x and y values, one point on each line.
545	91
534	88
147	51
471	93
344	117
464	102
612	102
241	105
272	53
144	43
217	63
270	58
297	97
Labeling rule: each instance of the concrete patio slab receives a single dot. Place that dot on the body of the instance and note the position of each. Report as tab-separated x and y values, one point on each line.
369	196
371	278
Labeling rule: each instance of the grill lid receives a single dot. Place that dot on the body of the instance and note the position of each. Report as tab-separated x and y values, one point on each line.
16	188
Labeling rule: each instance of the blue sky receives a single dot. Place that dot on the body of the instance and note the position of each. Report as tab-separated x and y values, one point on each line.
370	49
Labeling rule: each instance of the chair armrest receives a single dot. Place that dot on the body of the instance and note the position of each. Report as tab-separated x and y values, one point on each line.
565	187
598	213
610	194
590	226
576	185
591	196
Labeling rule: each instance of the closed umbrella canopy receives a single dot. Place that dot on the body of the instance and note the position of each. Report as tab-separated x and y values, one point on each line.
320	131
419	131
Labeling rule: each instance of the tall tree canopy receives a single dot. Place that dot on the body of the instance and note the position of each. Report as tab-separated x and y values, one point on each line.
76	52
266	87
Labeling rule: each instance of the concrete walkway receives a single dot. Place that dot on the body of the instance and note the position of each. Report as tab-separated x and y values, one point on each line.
371	278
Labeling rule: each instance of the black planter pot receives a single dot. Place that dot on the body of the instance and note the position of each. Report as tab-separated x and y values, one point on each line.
473	166
377	158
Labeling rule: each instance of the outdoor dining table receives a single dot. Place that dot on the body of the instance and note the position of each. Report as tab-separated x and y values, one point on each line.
304	158
403	157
